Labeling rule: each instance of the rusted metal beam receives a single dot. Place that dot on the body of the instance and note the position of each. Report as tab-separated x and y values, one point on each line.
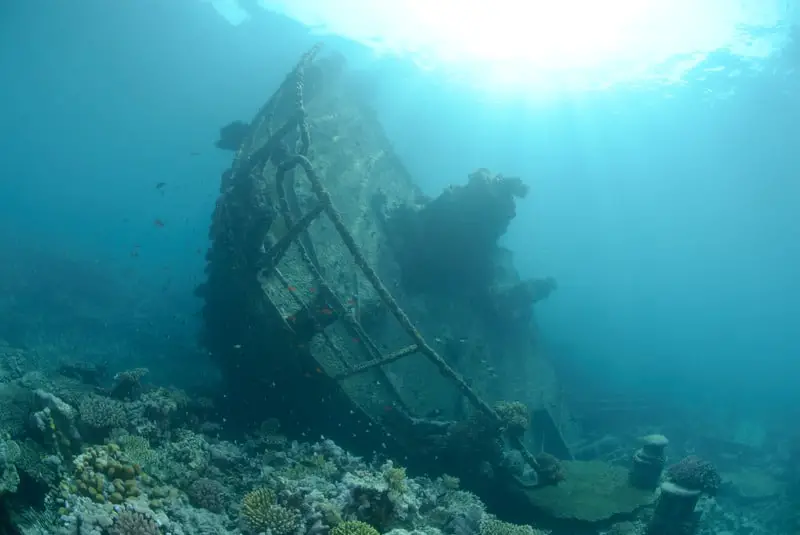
370	364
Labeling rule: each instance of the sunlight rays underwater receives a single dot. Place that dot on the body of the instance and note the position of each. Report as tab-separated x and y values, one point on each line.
570	45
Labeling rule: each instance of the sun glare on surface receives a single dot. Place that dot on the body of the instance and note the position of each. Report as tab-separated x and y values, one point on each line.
558	45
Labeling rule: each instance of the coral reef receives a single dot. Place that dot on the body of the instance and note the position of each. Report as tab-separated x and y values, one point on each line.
130	522
99	415
694	473
9	478
55	421
208	494
261	513
549	470
515	416
104	474
158	472
128	383
354	527
493	526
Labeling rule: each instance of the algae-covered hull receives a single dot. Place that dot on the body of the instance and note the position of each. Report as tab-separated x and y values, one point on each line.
307	312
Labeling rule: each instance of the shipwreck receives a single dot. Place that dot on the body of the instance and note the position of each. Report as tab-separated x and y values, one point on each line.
347	303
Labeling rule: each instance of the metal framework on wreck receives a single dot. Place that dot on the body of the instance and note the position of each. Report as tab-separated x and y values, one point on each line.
297	234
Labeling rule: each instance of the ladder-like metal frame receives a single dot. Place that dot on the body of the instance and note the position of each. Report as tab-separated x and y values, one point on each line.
299	227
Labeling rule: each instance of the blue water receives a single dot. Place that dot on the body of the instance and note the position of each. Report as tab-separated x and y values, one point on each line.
667	215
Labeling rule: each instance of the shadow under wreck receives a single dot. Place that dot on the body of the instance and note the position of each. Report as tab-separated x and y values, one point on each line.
323	250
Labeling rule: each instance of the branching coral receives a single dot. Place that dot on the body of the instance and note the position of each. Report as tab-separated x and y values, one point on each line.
260	513
354	527
100	414
492	526
137	449
130	522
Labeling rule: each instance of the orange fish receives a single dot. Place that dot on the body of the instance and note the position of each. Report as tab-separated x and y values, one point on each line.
291	288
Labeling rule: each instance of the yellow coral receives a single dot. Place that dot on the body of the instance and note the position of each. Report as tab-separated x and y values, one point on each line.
354	527
261	513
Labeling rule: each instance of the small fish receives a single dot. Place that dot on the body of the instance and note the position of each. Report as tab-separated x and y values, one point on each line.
326	311
319	370
356	340
160	185
291	288
158	223
194	153
237	346
312	290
